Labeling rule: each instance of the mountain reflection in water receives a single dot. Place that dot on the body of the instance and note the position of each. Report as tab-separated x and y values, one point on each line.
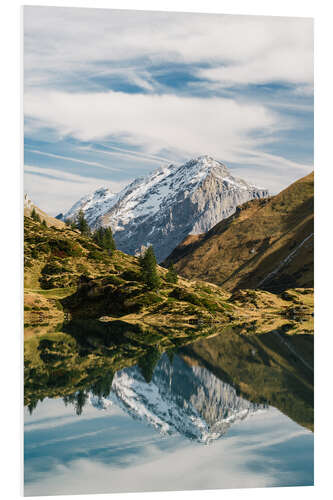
199	392
180	397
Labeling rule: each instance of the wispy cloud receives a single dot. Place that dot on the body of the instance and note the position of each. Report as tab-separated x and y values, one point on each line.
148	88
126	153
75	160
239	48
193	125
55	190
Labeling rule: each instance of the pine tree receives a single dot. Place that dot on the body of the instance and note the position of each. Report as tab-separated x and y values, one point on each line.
97	236
149	269
44	223
34	215
148	362
108	240
171	276
104	238
80	400
82	224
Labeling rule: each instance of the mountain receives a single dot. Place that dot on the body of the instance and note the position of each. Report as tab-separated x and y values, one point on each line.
29	205
93	205
167	205
180	398
266	244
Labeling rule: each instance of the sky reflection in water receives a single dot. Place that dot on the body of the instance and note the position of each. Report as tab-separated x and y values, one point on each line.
105	451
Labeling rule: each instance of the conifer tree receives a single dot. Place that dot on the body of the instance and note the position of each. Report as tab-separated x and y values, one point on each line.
148	362
104	238
171	276
80	400
82	224
44	223
34	215
149	269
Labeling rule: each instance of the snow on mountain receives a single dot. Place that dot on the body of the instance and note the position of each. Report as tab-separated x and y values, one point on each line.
181	398
164	207
93	205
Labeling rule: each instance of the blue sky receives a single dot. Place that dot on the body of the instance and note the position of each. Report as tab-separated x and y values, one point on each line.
111	95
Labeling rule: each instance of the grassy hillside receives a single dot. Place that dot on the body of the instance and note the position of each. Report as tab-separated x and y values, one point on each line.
275	369
67	276
50	221
88	314
267	244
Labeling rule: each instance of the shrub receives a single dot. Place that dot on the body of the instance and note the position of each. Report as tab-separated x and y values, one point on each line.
54	268
171	276
64	248
185	296
113	280
98	256
131	275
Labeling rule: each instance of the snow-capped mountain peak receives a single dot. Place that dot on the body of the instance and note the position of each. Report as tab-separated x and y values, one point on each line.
167	205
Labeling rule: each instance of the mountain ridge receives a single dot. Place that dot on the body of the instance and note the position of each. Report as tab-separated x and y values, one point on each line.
266	244
167	205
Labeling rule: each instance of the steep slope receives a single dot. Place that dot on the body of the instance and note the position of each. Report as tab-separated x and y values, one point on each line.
267	244
167	205
50	221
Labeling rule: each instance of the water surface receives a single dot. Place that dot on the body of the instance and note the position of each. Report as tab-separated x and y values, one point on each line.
225	412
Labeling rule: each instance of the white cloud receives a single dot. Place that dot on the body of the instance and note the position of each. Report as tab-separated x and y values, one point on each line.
216	126
278	65
55	191
84	40
66	46
230	130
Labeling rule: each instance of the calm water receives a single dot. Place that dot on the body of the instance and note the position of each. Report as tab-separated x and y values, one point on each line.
225	412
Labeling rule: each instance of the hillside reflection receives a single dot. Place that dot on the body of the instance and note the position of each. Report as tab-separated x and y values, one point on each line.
198	388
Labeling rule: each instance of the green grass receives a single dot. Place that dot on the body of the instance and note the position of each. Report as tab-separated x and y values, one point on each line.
54	293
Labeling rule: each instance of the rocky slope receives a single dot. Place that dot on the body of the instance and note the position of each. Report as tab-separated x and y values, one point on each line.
167	205
266	244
